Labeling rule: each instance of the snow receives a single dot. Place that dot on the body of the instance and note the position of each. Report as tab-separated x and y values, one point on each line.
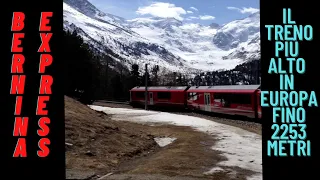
214	170
242	148
254	177
193	43
162	142
114	35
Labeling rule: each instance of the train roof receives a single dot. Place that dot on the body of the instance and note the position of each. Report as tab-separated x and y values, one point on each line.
226	88
160	88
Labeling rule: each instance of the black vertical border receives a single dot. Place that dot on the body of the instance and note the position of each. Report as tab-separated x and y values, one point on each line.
53	166
304	13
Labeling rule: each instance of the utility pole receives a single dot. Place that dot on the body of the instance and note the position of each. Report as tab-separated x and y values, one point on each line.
174	78
146	90
107	75
258	71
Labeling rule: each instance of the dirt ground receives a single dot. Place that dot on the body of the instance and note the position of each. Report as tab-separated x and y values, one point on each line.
97	145
117	150
189	156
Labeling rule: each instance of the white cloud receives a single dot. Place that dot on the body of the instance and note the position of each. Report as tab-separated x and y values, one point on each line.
163	10
189	12
244	10
206	17
193	17
194	8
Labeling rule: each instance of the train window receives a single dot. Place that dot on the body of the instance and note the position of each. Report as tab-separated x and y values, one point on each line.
164	95
217	97
241	98
233	98
192	96
140	95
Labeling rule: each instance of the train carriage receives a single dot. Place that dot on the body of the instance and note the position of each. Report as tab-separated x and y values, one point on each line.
165	97
241	100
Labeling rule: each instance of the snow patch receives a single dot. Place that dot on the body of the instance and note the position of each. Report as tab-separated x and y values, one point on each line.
255	177
215	170
162	142
241	148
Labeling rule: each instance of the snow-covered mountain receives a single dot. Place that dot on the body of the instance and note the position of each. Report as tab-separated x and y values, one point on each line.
242	36
167	42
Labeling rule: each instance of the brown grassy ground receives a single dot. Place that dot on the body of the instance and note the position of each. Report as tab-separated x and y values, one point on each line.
99	145
128	151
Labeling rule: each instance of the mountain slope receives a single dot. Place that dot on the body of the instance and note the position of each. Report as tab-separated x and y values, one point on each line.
242	36
167	42
191	42
129	46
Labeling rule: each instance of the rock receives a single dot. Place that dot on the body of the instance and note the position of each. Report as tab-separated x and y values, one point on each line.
89	153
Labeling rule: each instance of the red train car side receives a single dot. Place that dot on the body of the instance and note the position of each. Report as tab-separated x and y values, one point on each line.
169	97
241	100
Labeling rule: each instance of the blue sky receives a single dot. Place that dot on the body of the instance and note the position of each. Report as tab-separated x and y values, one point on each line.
194	11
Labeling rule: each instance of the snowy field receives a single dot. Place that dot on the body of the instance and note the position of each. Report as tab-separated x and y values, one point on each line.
241	148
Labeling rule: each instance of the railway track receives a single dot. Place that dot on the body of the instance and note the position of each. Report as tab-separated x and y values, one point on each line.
243	123
113	102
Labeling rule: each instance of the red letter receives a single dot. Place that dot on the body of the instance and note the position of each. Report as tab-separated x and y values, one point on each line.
44	150
45	38
17	84
44	127
18	105
17	21
17	62
44	21
20	149
16	41
45	60
41	105
45	84
20	126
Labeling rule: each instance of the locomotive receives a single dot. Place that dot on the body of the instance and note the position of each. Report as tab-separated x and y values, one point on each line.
241	100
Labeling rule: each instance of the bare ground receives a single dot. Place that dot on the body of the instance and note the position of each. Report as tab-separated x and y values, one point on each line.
96	145
188	157
116	150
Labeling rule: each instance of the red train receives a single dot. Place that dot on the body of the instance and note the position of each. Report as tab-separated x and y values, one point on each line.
243	100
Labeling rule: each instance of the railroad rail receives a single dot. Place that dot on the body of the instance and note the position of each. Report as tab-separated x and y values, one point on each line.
113	102
248	124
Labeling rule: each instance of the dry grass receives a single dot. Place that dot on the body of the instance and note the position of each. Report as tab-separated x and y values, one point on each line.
98	144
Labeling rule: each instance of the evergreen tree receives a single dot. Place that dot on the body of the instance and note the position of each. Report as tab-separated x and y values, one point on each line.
155	78
135	75
80	72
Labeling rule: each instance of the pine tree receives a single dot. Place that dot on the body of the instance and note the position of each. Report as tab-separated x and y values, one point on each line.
155	78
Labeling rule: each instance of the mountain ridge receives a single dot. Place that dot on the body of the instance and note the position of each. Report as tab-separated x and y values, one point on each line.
167	42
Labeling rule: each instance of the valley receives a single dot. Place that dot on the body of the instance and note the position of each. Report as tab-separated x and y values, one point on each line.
171	44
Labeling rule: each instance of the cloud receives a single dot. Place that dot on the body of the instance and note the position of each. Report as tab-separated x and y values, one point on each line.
162	10
206	17
244	10
189	12
193	17
194	8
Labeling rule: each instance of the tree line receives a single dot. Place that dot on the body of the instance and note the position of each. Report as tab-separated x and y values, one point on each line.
246	73
90	74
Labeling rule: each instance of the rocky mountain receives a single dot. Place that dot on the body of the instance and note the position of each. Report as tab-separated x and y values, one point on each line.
242	37
167	42
214	25
120	42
